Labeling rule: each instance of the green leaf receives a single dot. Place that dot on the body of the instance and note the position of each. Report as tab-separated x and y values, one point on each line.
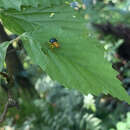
18	4
3	48
79	62
33	18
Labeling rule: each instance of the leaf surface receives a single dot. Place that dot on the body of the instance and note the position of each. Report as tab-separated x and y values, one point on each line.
77	63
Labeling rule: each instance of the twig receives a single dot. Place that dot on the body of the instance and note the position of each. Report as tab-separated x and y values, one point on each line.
10	103
2	118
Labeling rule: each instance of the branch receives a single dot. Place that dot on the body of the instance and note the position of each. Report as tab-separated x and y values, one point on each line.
10	103
2	118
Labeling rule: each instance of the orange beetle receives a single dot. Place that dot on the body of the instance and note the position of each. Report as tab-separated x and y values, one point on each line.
54	43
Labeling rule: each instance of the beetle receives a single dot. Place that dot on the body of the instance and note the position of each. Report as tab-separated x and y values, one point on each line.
54	43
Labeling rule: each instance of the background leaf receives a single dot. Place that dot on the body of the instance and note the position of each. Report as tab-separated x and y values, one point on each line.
18	4
33	18
3	48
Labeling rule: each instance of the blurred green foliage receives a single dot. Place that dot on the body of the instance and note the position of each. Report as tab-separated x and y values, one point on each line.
59	108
